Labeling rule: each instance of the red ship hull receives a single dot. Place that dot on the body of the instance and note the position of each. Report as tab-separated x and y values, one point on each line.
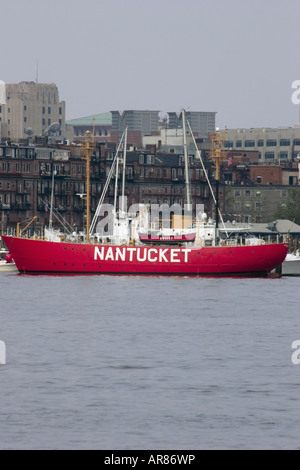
35	256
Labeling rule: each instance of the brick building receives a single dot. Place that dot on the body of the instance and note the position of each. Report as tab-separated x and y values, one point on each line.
26	175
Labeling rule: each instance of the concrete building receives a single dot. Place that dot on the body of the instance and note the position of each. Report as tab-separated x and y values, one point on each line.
275	145
32	109
144	127
171	141
257	204
202	123
138	122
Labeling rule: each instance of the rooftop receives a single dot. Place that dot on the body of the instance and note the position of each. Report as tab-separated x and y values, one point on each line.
103	119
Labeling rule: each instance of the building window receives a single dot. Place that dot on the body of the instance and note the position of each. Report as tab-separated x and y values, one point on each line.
271	143
293	180
247	192
150	159
283	155
60	111
238	143
258	179
237	193
141	159
43	110
260	143
269	155
296	141
250	143
49	110
258	206
228	144
285	142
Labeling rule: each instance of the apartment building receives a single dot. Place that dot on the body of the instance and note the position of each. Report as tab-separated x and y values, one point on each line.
26	181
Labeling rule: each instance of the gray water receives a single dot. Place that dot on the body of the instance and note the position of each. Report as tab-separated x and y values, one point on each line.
114	362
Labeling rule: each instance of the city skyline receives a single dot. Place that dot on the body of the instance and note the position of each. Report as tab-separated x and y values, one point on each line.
238	59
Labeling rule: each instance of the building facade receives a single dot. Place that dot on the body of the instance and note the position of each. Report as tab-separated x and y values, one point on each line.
99	125
27	174
274	145
138	122
32	109
256	204
202	123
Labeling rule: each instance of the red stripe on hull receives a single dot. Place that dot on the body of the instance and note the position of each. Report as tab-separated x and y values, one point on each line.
35	256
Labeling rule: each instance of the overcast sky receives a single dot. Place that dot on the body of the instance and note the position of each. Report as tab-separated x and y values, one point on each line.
235	57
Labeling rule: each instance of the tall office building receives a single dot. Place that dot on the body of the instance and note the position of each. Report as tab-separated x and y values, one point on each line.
202	123
138	122
32	109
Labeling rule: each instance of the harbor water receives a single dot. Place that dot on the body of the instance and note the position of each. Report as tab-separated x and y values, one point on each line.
131	362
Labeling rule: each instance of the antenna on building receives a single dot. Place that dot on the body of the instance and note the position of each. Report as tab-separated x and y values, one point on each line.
37	71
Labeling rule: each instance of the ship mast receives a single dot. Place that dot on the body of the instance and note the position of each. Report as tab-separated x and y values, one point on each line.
124	171
89	147
186	162
217	154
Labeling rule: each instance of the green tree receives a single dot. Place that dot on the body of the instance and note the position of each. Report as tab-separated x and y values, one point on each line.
291	208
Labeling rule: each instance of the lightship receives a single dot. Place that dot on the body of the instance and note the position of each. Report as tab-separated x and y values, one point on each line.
132	249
